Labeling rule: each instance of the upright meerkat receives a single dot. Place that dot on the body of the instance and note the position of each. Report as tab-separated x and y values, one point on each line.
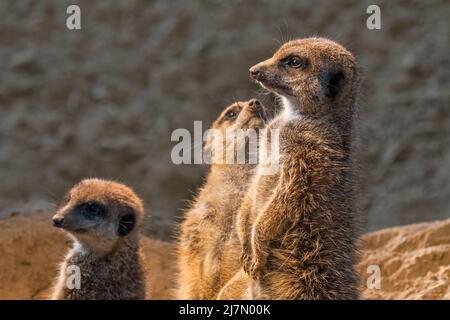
299	227
104	219
208	247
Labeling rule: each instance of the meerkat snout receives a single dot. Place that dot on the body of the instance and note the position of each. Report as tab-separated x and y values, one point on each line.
254	73
58	222
253	110
79	218
238	114
255	105
75	217
232	129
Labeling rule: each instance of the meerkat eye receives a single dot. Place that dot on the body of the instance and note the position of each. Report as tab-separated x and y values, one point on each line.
232	114
90	210
296	62
93	209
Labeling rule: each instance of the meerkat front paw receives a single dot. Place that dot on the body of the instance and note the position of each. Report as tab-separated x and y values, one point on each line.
246	258
256	269
258	264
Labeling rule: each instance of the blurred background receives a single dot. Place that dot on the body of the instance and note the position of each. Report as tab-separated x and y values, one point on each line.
104	100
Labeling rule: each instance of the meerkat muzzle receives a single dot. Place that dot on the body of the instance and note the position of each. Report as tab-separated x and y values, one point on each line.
255	73
58	222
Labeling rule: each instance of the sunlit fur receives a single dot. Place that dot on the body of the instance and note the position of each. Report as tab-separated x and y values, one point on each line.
208	247
110	264
299	227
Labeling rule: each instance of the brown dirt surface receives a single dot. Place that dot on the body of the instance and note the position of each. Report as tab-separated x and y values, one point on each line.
414	260
31	250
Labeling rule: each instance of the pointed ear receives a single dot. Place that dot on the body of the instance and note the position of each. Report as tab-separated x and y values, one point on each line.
126	223
331	82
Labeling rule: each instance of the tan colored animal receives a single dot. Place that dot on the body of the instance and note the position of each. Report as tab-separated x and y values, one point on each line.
104	219
208	247
299	227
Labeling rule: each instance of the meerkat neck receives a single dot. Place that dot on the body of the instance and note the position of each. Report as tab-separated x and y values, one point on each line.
340	118
229	173
129	245
98	271
343	122
290	110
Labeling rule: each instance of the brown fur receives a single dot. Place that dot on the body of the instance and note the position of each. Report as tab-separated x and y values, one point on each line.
208	247
299	227
106	242
239	287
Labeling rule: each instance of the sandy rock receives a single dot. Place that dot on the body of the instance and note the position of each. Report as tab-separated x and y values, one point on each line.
414	261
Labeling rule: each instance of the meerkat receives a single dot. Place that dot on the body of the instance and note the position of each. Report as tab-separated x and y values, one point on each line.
299	227
208	247
104	219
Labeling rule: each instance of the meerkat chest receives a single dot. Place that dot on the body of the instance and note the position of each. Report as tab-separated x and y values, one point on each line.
271	155
104	278
262	190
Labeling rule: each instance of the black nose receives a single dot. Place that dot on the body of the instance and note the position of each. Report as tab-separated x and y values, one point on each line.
254	105
58	222
254	73
257	108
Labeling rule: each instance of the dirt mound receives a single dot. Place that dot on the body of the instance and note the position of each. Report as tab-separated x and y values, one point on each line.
31	250
414	260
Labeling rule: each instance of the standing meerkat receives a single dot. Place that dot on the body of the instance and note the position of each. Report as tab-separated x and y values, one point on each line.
208	247
299	227
104	219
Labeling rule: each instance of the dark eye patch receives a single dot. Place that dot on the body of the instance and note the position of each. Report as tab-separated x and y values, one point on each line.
295	62
91	209
232	114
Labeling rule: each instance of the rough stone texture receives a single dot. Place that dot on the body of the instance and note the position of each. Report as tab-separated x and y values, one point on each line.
103	101
414	261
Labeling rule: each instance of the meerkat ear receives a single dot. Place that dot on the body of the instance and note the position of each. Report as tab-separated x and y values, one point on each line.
331	82
126	223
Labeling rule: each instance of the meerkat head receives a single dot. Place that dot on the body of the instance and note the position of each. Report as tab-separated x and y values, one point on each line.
312	74
234	128
249	114
99	214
